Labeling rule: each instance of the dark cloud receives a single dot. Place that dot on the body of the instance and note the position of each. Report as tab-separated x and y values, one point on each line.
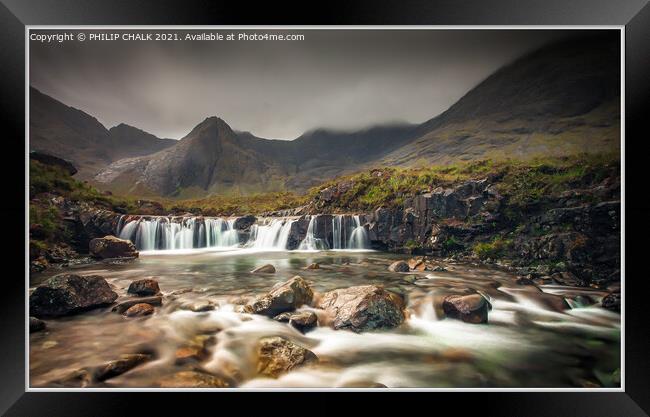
340	79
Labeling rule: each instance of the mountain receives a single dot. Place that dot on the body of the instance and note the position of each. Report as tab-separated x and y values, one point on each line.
561	99
74	135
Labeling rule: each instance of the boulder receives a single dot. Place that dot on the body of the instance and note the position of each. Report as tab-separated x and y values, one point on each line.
118	367
144	287
68	294
471	308
612	301
304	321
313	266
399	266
417	264
36	325
112	247
244	222
122	306
195	351
283	297
365	307
264	269
193	379
567	278
277	355
138	310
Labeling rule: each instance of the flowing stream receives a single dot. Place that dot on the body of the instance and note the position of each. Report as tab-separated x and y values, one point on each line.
528	341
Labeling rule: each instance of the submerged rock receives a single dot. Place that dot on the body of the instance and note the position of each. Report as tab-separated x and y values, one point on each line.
264	269
193	379
144	287
68	294
302	321
399	266
365	307
118	367
471	308
112	247
36	325
195	351
612	301
122	306
277	355
283	297
138	310
313	266
79	378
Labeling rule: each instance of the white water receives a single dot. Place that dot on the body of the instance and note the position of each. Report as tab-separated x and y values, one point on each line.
271	234
311	242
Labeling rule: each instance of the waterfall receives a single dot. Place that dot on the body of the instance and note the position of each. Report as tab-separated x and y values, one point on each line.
343	238
271	234
311	242
168	233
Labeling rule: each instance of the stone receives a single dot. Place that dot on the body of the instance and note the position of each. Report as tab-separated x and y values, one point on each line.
36	325
524	281
79	378
139	310
264	269
69	294
112	247
277	356
283	297
365	307
118	367
244	222
144	287
195	351
417	264
304	321
193	379
399	266
567	278
612	301
471	308
313	266
122	306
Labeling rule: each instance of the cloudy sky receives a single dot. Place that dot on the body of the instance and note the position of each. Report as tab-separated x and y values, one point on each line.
276	89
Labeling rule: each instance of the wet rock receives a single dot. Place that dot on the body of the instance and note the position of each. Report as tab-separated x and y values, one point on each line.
365	307
200	306
36	325
244	222
118	367
195	351
612	301
122	306
283	297
264	269
277	356
304	321
68	294
193	379
139	310
471	308
567	278
313	266
79	378
144	287
399	266
112	247
363	384
439	268
524	281
416	264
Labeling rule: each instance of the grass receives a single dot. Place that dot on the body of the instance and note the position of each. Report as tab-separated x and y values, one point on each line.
495	249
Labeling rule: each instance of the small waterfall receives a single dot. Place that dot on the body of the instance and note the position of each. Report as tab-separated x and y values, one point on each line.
168	233
343	238
271	234
311	242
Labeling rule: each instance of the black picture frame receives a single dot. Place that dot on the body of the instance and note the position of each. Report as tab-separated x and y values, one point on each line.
633	14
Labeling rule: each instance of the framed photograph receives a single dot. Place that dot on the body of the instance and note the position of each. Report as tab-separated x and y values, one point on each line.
420	198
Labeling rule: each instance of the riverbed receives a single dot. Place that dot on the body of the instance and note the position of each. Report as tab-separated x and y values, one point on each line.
530	341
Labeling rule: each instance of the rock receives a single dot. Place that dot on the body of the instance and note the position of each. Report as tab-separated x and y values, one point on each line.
196	350
416	264
120	366
313	266
68	294
524	281
36	325
567	278
144	287
399	266
193	379
264	269
112	247
471	308
277	355
138	310
200	306
363	384
365	307
244	222
439	268
52	160
304	321
612	301
79	378
122	306
283	297
283	317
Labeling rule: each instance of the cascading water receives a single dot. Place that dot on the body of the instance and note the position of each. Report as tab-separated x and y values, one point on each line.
343	238
271	234
311	242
